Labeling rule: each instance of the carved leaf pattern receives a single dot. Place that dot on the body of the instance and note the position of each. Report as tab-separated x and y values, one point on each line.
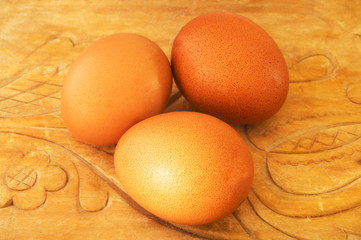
35	88
320	139
312	67
307	157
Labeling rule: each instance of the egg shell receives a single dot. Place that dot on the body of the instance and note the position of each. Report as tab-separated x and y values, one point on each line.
228	66
116	82
184	167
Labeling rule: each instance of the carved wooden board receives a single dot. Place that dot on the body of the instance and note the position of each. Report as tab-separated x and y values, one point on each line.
307	158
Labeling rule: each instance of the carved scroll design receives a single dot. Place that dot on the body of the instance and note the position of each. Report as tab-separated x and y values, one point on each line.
28	179
29	175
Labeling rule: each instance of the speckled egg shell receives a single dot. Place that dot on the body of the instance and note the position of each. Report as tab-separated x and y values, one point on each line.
228	66
185	167
116	82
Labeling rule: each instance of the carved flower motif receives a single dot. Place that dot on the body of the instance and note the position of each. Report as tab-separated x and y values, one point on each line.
27	179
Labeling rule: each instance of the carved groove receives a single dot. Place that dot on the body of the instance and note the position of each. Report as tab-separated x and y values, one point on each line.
353	93
308	68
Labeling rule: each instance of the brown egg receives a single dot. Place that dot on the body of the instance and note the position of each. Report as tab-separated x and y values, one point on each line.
116	82
228	66
184	167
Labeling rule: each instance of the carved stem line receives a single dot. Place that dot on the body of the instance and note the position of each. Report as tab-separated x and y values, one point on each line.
103	150
269	224
46	42
247	230
250	139
117	188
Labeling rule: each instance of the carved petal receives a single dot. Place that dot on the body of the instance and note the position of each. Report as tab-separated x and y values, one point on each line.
226	228
30	199
55	178
5	196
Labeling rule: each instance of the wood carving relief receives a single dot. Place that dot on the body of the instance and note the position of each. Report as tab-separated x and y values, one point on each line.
30	175
29	178
307	157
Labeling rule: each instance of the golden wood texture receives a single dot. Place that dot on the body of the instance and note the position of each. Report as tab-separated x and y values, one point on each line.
307	157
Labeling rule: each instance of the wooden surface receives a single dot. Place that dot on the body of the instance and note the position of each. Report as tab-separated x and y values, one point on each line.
307	158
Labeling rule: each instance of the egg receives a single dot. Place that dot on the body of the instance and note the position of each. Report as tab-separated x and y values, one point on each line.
184	167
228	66
116	82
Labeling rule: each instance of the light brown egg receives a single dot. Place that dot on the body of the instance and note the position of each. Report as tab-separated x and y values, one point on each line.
116	82
228	66
184	167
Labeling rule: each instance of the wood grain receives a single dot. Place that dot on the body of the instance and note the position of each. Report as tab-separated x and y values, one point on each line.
307	157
